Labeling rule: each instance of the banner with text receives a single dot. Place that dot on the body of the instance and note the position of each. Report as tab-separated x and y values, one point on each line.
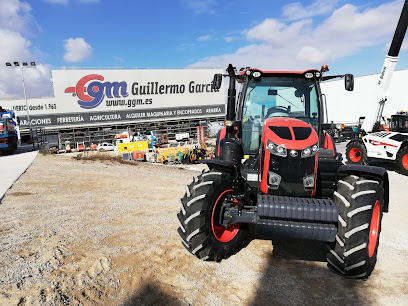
96	97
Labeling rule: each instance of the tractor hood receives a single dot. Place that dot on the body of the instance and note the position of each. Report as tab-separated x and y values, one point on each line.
291	133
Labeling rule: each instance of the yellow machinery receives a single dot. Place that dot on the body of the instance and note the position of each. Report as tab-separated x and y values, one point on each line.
170	154
133	146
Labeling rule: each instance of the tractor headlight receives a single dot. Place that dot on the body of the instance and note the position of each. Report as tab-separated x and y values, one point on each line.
274	180
276	149
306	152
309	181
310	151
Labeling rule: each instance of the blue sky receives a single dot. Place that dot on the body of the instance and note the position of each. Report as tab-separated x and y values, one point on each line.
349	36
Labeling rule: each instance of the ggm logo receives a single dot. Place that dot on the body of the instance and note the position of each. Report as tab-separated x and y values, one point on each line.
91	95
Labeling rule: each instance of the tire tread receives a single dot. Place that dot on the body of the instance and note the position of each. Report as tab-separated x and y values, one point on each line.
196	207
349	256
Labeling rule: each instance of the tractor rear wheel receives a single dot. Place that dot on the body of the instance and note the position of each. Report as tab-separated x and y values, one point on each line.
360	201
199	227
356	153
402	160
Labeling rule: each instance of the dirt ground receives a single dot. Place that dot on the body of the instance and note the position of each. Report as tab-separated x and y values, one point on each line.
90	232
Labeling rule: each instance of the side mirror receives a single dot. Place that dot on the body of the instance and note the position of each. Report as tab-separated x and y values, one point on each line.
216	83
349	82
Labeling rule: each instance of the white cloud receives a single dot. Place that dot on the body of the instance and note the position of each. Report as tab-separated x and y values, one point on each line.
76	50
57	1
186	46
274	32
312	55
37	82
204	38
404	46
296	11
200	6
37	79
15	22
67	1
18	47
293	45
15	15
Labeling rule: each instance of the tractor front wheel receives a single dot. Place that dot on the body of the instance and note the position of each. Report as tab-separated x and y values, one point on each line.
360	202
199	219
356	153
402	160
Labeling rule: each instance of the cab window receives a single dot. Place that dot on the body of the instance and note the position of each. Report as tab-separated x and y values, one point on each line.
294	97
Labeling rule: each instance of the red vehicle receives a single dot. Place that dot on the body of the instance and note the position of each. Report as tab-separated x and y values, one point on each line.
80	146
277	174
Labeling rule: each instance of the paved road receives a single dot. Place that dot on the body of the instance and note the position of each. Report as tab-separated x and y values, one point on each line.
13	166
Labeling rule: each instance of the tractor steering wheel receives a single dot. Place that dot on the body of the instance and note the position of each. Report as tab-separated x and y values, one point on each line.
278	109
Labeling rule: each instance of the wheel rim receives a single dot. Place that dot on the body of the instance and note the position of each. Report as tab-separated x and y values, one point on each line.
355	155
405	161
374	229
221	233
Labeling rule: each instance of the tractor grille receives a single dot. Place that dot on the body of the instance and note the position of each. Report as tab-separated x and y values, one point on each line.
321	210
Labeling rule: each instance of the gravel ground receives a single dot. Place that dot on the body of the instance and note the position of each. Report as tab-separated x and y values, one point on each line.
91	232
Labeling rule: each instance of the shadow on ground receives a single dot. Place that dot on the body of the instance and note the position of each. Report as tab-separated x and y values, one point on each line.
151	294
297	274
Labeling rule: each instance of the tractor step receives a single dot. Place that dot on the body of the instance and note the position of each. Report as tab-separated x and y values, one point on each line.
268	229
307	209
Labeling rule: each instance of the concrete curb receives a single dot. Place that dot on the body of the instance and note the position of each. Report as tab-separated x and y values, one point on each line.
13	166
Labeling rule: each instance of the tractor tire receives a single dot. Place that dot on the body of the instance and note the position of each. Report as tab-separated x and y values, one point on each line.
356	153
402	160
199	230
360	202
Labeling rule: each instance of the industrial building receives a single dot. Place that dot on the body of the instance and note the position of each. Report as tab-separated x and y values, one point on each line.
93	105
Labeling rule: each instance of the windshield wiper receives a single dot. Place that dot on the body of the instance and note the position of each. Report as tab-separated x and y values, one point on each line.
288	101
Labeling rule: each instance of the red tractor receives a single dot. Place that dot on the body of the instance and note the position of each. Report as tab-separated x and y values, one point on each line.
277	174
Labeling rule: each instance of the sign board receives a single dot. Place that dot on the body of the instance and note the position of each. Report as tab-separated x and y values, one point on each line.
103	97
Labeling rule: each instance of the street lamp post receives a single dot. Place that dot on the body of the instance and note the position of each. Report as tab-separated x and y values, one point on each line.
25	65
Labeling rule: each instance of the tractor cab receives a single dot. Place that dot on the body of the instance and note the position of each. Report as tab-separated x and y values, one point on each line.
276	94
274	129
399	122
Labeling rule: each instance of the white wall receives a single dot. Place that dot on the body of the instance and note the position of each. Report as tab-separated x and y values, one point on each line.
346	107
